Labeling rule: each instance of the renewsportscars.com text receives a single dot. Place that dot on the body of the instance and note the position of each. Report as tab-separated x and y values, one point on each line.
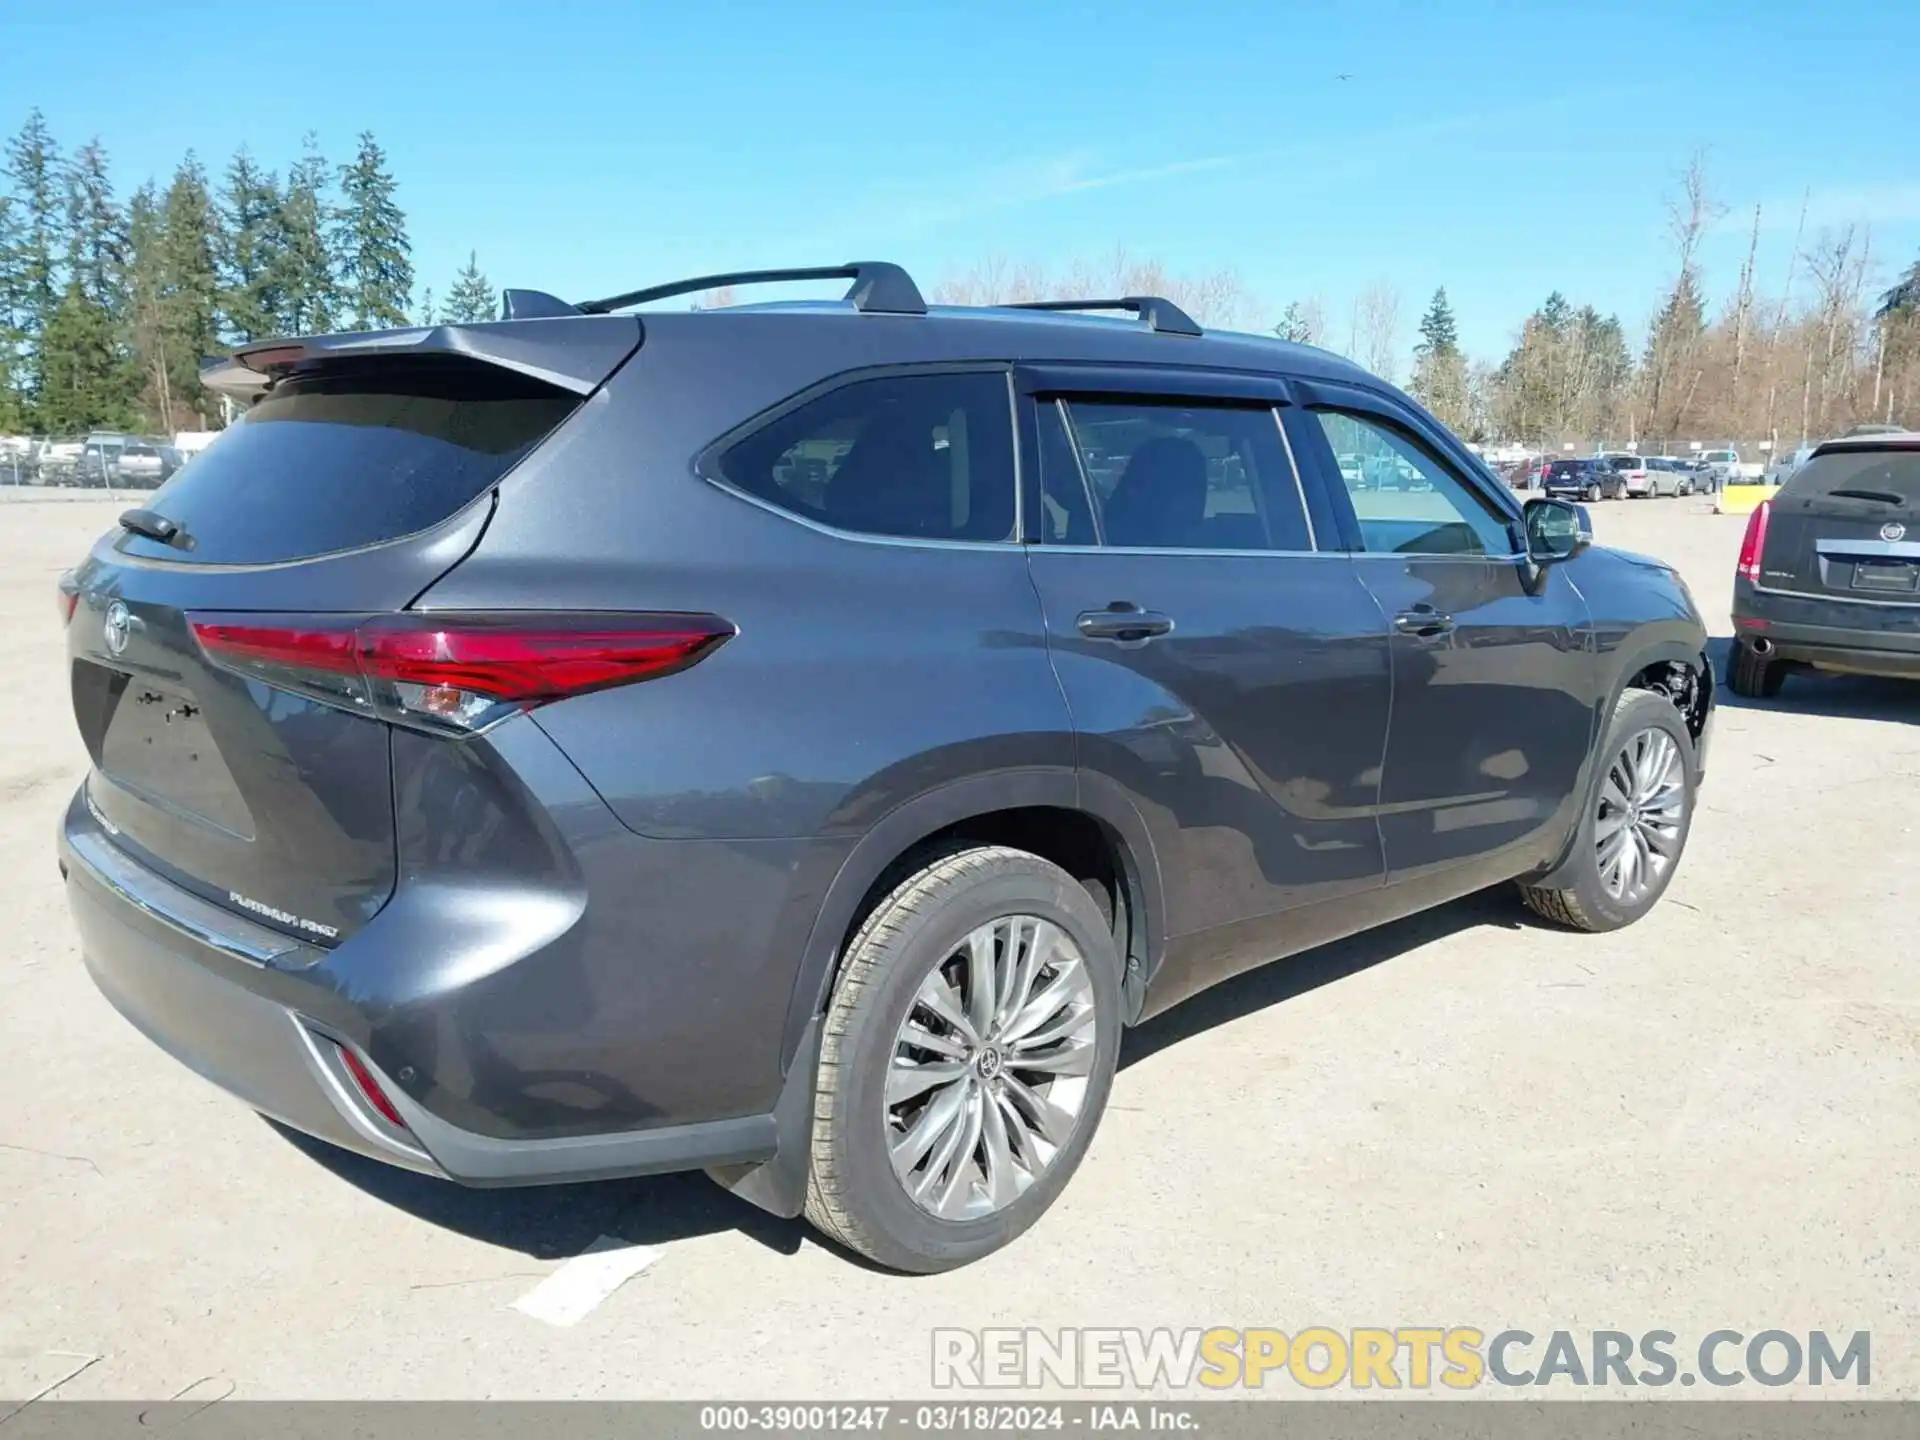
1460	1357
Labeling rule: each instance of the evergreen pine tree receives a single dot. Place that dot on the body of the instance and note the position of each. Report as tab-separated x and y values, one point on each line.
370	242
249	215
301	274
472	298
82	371
1439	368
12	339
93	310
33	165
189	291
145	281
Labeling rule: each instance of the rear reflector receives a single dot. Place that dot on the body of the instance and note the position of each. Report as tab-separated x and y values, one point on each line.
455	672
370	1088
1754	542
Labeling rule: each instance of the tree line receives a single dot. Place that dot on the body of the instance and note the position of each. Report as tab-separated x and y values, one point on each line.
1828	349
107	306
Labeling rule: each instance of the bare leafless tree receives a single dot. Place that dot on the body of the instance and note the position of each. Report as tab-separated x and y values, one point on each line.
1375	330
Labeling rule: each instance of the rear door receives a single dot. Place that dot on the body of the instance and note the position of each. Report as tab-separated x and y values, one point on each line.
1220	668
1846	526
346	490
1492	710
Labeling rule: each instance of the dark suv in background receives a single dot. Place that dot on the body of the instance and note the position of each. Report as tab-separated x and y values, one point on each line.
794	741
1829	572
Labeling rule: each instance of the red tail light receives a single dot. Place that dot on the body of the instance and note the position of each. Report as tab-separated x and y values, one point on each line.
456	673
1754	542
67	596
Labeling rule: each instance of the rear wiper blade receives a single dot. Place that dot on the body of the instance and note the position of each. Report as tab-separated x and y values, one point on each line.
1883	495
155	526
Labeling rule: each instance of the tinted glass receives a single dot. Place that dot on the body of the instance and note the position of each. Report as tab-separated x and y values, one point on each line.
1189	477
1066	517
343	460
1859	475
924	456
1407	501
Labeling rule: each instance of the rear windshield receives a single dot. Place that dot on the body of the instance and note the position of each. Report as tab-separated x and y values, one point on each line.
1625	462
1567	467
1888	476
345	459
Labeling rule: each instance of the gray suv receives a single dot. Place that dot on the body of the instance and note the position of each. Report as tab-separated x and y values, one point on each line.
796	741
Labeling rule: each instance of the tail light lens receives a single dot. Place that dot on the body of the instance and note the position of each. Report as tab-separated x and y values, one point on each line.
1754	542
454	674
67	597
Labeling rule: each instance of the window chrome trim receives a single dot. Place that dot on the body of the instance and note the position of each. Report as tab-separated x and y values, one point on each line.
1299	486
178	909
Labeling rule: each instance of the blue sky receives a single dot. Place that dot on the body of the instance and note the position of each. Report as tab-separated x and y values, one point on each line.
1498	147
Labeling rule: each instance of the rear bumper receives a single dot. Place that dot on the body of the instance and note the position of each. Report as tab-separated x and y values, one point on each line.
1844	636
263	1017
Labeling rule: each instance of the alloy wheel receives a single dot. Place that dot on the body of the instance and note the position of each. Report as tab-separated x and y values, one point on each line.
1643	800
990	1069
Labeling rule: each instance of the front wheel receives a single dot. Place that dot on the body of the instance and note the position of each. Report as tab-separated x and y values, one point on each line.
1630	840
965	1061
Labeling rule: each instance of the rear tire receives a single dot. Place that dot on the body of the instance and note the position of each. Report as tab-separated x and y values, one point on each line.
1593	494
910	971
1754	676
1630	840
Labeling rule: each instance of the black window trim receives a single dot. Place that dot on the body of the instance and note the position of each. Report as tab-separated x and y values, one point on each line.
1039	383
706	464
1315	395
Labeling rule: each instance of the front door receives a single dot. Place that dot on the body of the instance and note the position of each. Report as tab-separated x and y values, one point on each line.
1492	715
1229	675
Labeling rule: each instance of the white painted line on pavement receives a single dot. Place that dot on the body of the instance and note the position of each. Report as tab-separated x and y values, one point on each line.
569	1294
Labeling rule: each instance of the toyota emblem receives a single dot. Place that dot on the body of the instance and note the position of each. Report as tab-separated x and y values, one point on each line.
118	627
1893	530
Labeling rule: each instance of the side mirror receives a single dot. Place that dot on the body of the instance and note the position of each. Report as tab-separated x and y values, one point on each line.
1556	530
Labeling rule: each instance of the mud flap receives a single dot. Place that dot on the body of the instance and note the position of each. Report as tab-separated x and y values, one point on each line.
779	1185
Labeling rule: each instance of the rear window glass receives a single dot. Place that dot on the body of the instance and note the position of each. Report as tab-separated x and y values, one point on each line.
1567	467
341	460
925	457
1885	476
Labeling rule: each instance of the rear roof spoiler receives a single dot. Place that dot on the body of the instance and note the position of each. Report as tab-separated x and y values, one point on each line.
570	352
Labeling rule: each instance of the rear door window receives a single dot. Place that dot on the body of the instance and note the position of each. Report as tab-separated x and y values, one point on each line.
926	457
344	459
1176	476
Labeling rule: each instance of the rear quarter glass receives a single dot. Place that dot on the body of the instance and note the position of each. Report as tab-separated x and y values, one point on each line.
348	458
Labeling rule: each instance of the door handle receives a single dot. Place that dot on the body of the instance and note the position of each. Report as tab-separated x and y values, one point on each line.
1423	621
1122	621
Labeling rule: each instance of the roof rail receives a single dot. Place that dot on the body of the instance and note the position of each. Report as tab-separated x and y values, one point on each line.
878	287
1161	315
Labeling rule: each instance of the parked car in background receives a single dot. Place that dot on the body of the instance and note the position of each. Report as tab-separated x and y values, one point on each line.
58	462
1782	466
1587	479
1718	467
1669	476
1829	571
1633	473
1073	724
144	464
100	458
